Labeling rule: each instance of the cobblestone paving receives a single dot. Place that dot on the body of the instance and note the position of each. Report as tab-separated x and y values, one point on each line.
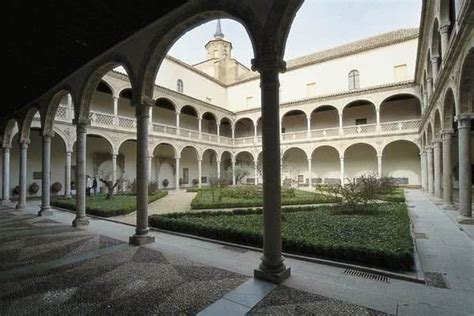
130	280
175	201
287	301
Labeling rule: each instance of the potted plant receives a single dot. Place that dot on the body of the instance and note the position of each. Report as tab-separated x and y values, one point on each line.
16	190
34	188
165	183
56	187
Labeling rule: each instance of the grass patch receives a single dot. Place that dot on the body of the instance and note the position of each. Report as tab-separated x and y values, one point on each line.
397	195
121	204
251	196
379	238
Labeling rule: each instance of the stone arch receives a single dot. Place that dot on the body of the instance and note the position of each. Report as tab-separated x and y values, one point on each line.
437	124
209	122
10	128
247	131
122	141
344	151
176	151
449	109
400	140
466	83
324	116
436	41
226	126
360	158
164	111
365	107
447	14
325	166
401	160
242	152
429	134
60	134
221	154
52	108
25	123
93	80
198	154
209	149
390	107
294	115
286	150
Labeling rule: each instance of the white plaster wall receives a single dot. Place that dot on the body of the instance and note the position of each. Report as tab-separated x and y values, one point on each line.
295	163
164	116
102	102
350	114
400	110
194	84
359	160
402	160
325	163
324	119
189	160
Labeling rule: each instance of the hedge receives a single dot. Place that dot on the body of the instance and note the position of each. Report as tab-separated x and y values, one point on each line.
203	199
380	239
121	204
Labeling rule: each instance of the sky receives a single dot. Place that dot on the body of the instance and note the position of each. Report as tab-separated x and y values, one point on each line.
318	25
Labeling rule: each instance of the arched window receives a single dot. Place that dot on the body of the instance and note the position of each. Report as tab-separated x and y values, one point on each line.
354	80
179	86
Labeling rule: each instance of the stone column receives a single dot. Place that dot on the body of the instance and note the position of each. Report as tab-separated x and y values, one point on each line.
310	172
377	119
142	236
200	127
255	171
429	81
233	172
177	172
435	67
177	123
22	180
46	176
199	173
67	184
447	136
341	159
150	164
114	169
379	166
272	267
429	162
341	131
218	162
232	127
444	30
424	174
308	126
81	132
218	130
6	176
70	111
437	167
465	180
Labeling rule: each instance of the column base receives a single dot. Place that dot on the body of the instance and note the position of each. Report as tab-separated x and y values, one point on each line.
449	207
80	222
270	276
6	202
140	240
20	206
45	211
68	196
464	220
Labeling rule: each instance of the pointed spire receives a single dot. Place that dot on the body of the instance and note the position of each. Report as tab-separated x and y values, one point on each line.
218	33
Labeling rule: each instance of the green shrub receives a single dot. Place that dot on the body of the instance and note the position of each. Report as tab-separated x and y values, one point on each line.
378	238
121	204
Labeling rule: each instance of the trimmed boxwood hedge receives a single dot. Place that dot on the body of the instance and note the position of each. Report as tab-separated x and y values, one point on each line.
203	200
121	204
380	238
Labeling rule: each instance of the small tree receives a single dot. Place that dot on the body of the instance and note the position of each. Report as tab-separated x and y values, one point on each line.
110	188
241	171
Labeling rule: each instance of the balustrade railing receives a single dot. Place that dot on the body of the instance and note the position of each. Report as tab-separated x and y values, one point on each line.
400	125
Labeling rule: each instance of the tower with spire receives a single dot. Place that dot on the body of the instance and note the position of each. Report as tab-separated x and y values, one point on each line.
219	63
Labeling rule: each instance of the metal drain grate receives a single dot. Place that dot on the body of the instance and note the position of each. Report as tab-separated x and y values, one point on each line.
436	279
367	275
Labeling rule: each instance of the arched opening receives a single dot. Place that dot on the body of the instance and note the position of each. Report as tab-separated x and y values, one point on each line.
225	129
399	112
98	161
360	159
325	165
436	43
448	15
325	117
244	127
245	168
360	112
125	107
103	98
65	109
128	152
189	118
401	160
437	125
449	110
466	92
164	166
164	112
293	122
209	123
226	167
58	163
209	166
189	164
294	171
259	126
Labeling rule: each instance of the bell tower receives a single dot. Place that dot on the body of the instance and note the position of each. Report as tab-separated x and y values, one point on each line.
218	48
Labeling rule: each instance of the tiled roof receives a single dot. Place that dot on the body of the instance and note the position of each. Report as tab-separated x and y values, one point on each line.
362	45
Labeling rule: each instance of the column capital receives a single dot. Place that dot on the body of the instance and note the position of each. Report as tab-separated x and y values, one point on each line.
436	141
268	63
429	79
115	97
114	155
81	121
341	158
434	59
309	159
177	157
6	147
464	116
69	152
447	131
47	134
444	29
429	148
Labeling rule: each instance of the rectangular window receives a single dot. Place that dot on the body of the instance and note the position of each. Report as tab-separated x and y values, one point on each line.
248	101
203	179
361	121
310	89
185	175
400	72
300	178
283	129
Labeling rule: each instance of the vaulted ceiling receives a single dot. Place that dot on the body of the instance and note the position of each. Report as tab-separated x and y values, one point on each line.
46	41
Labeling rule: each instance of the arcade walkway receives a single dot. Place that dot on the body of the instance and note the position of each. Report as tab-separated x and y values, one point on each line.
49	267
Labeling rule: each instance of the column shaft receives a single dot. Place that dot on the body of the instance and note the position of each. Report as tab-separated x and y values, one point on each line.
379	166
424	173
342	170
6	175
67	184
142	236
233	172
46	177
177	123
310	173
465	180
435	67
218	162
114	169
177	173
444	32
81	130
22	180
437	168
199	173
429	162
447	168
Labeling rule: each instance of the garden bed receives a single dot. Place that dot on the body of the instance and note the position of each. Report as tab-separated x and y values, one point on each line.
251	196
379	238
121	204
